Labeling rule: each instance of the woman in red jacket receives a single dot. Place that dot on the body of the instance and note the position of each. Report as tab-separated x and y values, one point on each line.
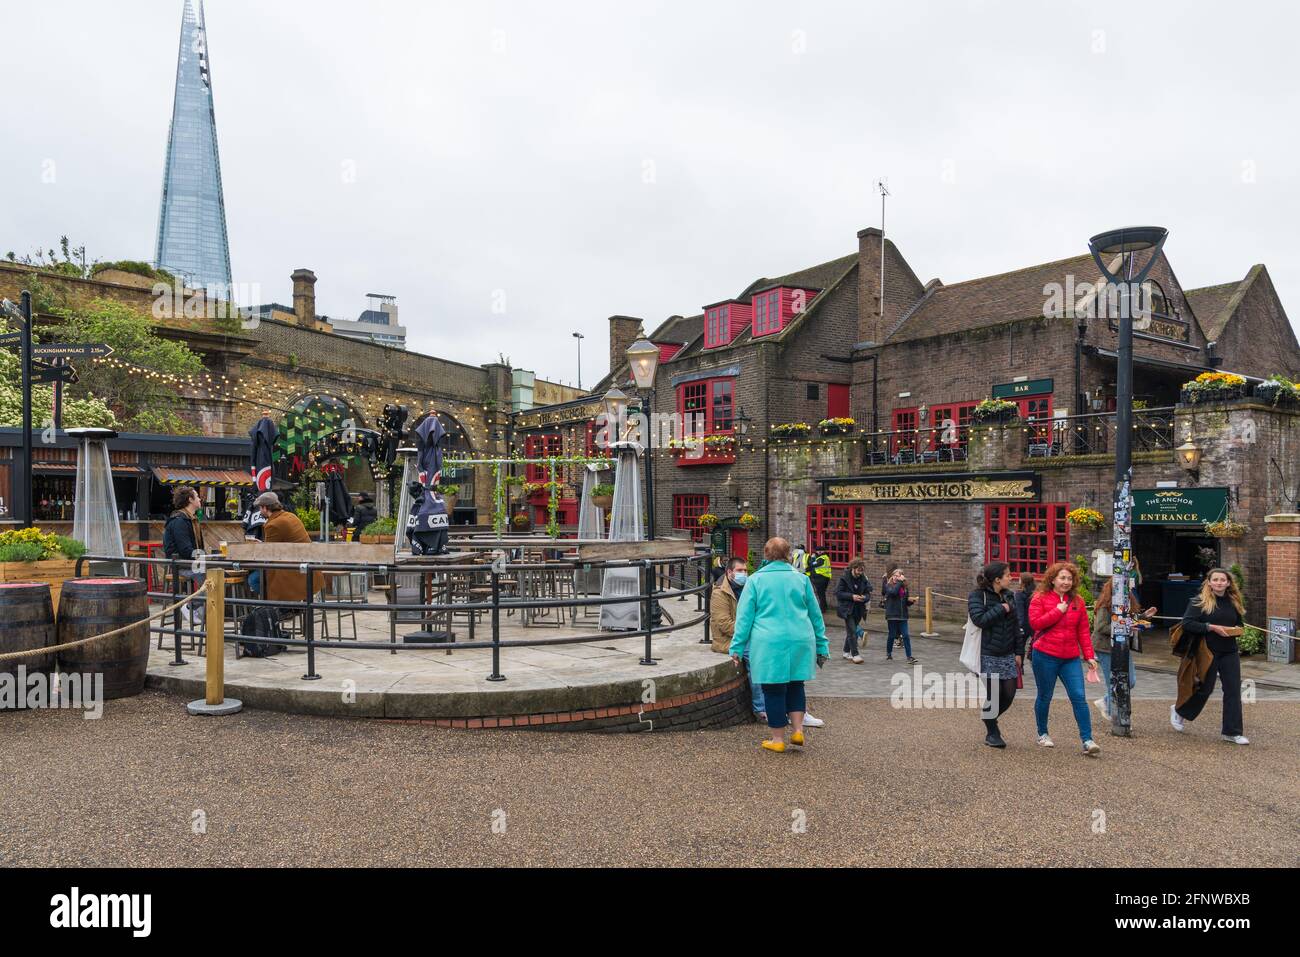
1059	620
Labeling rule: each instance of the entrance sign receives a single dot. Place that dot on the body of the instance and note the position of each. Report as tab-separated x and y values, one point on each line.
944	488
1012	390
1179	506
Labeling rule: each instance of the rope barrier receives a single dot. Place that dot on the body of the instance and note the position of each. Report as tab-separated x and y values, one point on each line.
48	649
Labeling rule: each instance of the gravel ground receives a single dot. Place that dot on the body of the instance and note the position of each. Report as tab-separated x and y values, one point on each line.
876	786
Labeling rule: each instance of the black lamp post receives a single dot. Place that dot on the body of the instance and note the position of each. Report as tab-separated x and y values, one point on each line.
643	358
1126	243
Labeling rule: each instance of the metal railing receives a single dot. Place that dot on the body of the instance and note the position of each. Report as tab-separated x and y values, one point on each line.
659	580
1093	433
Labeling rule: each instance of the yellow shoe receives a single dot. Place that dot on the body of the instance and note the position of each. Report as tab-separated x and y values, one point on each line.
777	746
797	738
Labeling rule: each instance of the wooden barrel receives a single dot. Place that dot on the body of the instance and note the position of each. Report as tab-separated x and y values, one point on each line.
26	622
92	606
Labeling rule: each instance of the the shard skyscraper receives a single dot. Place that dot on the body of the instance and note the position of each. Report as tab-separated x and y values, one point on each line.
192	239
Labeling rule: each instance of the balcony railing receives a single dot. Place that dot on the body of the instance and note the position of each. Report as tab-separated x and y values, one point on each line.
1094	433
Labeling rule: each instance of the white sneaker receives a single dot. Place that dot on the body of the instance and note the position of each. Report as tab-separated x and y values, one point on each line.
1176	719
1101	706
1045	741
810	722
1091	748
1236	738
856	659
847	656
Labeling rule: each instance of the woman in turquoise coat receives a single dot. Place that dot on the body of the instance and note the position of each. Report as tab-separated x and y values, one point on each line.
779	624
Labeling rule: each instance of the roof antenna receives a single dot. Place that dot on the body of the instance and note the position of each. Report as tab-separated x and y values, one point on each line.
883	186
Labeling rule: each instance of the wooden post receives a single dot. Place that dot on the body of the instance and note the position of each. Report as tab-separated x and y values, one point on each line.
215	701
929	616
215	584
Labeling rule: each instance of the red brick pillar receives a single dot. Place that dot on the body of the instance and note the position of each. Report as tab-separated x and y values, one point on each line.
1282	539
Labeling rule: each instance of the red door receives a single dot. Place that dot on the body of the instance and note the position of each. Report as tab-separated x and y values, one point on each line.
739	543
837	400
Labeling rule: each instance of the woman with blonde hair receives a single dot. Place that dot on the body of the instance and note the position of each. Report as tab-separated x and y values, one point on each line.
1216	616
779	624
1059	619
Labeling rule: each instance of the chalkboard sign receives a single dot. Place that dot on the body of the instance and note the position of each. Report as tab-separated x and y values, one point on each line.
882	548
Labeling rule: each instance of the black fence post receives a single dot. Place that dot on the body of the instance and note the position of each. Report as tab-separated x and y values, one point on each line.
647	609
309	626
176	613
706	607
496	628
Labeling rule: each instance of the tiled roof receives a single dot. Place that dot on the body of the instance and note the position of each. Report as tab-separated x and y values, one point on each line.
814	277
989	300
1213	306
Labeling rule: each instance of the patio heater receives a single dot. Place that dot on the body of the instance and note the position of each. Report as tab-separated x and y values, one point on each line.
624	523
1126	243
591	525
643	358
95	521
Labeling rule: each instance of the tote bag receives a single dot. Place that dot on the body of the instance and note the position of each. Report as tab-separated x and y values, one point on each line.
970	646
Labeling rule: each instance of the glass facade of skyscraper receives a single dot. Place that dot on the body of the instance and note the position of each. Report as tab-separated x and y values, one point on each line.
192	239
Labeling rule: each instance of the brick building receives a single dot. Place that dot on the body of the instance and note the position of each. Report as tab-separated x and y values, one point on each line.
916	480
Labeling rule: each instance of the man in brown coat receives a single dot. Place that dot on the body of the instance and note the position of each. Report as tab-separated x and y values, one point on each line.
722	605
284	584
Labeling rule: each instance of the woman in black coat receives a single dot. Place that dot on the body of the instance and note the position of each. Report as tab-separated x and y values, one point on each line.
992	608
852	594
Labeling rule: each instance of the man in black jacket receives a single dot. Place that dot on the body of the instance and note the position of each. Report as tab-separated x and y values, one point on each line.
183	540
852	595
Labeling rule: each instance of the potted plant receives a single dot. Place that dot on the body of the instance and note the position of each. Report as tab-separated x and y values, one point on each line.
1226	528
449	495
602	495
534	490
791	430
839	425
708	521
381	531
310	518
521	522
749	520
1278	390
30	555
1252	640
1088	518
1213	387
996	410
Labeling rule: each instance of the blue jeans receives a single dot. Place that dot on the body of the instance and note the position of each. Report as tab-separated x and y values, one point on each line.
783	699
1070	670
255	583
755	692
1103	662
898	629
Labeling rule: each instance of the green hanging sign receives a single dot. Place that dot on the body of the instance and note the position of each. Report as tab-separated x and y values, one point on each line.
1179	506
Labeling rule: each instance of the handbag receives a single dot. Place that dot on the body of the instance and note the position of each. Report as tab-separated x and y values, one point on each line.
971	645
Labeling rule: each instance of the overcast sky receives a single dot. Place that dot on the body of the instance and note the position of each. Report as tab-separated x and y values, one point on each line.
571	160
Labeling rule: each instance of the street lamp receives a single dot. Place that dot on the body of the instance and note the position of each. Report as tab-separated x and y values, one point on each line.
1126	243
1189	455
643	359
615	401
579	336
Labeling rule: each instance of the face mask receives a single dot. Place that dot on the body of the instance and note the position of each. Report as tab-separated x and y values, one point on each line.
740	578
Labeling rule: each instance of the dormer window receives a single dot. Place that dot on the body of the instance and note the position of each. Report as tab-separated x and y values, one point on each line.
774	308
723	320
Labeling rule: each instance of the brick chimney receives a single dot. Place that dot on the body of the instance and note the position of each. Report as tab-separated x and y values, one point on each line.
304	297
869	320
623	331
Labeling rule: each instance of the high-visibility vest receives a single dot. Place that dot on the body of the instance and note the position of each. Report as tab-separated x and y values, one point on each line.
822	565
800	561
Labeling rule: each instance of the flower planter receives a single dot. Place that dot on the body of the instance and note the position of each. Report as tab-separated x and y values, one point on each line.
377	539
997	418
835	430
450	502
55	571
1203	396
1277	395
602	501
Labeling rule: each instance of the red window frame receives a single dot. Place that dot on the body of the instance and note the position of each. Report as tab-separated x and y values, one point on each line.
541	447
962	414
905	423
837	529
703	401
1038	408
717	326
1029	538
687	508
767	312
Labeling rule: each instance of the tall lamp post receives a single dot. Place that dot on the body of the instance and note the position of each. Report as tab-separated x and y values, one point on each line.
579	336
643	358
1126	243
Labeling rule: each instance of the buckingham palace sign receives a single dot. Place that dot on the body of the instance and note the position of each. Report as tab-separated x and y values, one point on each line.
948	487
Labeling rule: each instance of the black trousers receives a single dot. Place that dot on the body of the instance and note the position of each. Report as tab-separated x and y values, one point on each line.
1227	667
820	583
1006	690
851	625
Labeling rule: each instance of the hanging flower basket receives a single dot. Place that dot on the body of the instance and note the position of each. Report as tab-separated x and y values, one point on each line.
841	425
996	410
708	521
749	520
602	495
1087	518
521	522
1226	529
1213	387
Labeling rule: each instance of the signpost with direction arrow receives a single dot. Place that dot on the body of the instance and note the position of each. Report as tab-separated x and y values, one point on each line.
46	362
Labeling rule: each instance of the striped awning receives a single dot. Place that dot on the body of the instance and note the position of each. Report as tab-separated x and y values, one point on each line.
203	477
70	468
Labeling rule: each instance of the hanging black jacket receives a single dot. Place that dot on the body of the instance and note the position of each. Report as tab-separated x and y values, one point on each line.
845	589
1002	632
